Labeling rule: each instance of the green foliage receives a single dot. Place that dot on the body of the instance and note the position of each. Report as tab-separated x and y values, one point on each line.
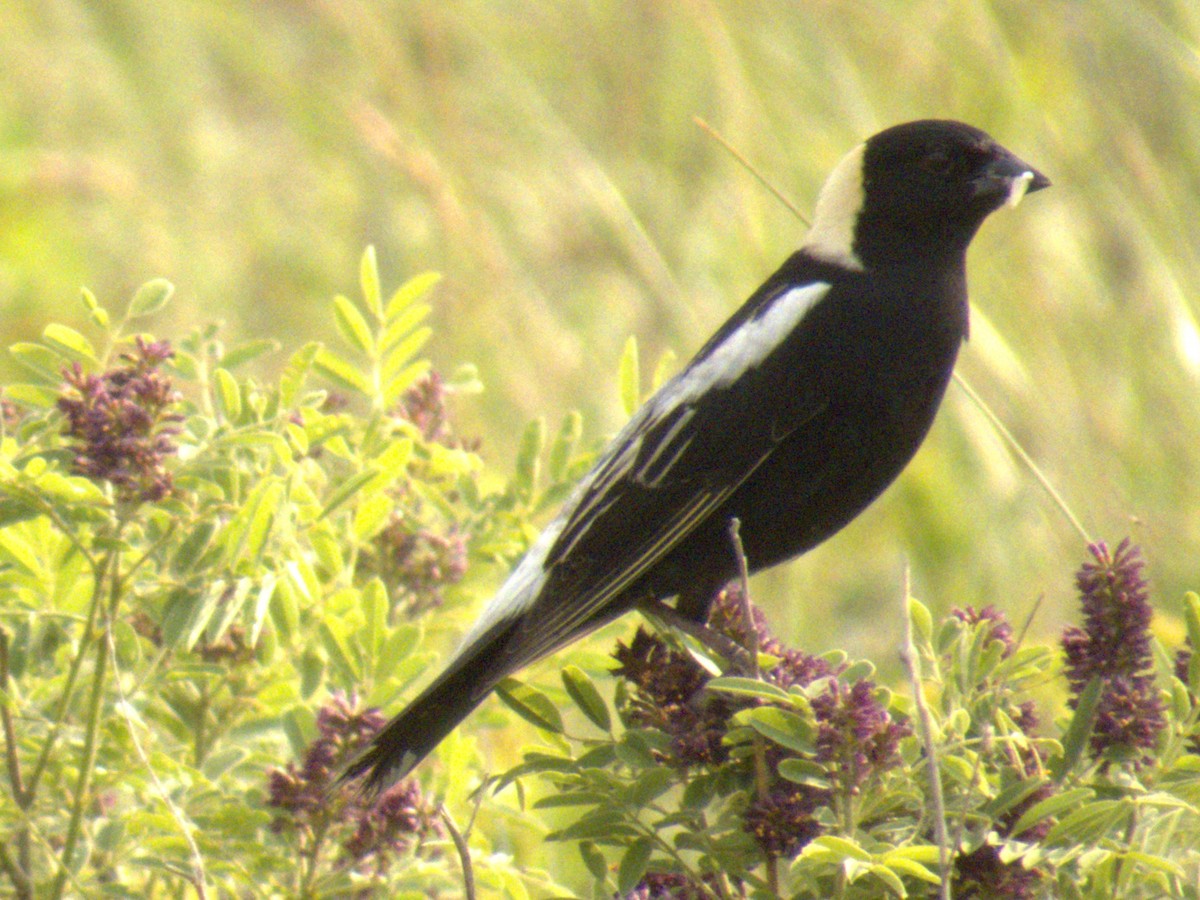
166	643
549	162
810	781
211	585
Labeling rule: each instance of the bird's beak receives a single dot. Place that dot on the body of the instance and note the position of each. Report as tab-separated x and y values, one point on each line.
1007	179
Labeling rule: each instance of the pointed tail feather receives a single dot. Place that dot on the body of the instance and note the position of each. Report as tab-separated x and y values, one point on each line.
423	724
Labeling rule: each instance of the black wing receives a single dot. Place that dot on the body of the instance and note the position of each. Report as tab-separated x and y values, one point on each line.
677	460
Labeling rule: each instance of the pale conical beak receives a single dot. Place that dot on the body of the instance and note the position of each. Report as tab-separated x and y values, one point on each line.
1009	179
1028	181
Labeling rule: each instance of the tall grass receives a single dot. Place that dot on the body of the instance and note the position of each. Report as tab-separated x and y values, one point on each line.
544	157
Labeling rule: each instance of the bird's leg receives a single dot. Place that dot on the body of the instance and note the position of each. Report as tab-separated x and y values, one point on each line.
739	554
726	648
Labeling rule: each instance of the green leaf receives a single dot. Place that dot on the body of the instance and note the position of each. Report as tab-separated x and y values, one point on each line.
1155	862
352	326
262	605
371	515
285	608
1051	806
412	290
922	621
230	608
312	672
251	350
375	612
31	395
633	865
150	297
649	785
1079	731
564	445
339	653
347	489
97	313
19	552
602	824
14	510
781	727
465	380
1191	614
245	536
203	612
857	671
530	704
890	879
391	462
528	454
70	343
594	860
368	278
752	688
629	378
1091	822
663	369
228	395
803	771
399	356
40	360
401	326
583	691
572	798
400	383
291	381
342	373
836	848
185	365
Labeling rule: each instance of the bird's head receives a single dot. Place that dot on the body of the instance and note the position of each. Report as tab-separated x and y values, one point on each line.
916	191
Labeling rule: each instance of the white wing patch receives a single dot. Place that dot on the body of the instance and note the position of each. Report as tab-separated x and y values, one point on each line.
746	347
521	588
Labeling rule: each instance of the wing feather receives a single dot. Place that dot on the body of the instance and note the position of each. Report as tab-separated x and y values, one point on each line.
680	457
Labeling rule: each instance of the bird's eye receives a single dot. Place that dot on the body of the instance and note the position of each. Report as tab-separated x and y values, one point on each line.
937	162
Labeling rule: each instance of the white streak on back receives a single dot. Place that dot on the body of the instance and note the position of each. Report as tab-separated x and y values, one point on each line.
747	346
741	351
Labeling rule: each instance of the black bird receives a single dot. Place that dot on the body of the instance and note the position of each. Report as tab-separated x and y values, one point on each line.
793	417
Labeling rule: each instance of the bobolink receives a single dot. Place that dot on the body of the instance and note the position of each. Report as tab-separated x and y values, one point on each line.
792	418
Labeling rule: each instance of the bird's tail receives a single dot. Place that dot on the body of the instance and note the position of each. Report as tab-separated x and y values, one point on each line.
423	724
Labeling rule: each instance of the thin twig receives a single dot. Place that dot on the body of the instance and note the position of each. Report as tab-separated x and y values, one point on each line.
464	851
739	555
197	876
908	654
18	870
1016	447
10	731
762	776
749	167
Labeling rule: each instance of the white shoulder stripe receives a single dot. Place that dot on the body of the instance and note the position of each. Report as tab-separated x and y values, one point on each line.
746	347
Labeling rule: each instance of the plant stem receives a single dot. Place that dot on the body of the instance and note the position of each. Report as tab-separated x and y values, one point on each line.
108	574
908	654
18	869
1010	439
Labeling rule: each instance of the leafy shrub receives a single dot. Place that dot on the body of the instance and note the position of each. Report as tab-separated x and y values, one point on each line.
210	585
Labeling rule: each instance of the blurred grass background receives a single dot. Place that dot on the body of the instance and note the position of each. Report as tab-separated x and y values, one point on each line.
543	156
